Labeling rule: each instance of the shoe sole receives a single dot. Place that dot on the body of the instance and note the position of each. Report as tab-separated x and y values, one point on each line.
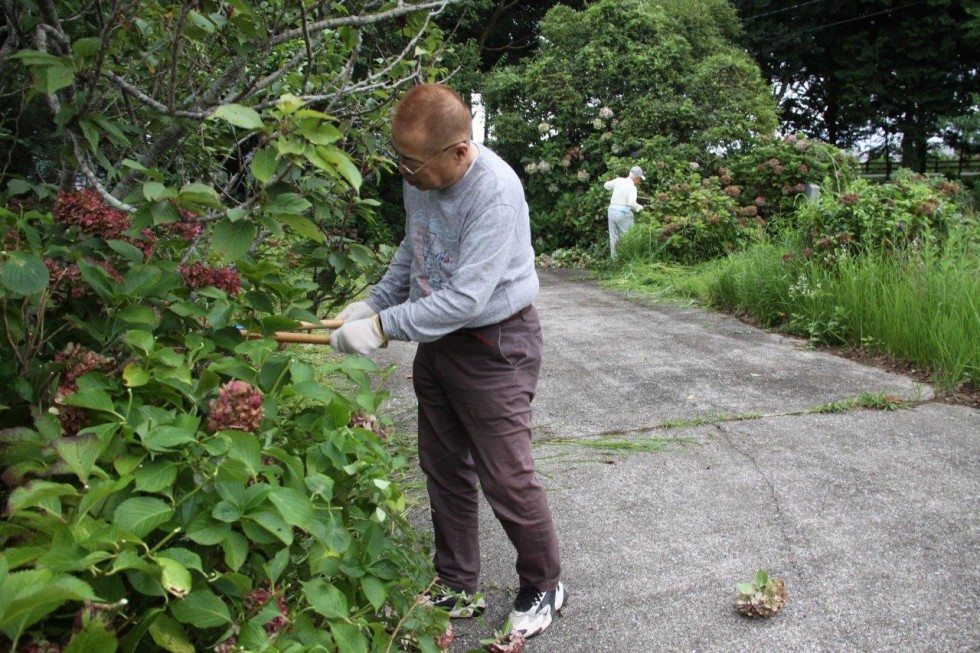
564	600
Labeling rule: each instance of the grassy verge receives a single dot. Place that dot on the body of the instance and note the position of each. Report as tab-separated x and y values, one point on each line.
920	306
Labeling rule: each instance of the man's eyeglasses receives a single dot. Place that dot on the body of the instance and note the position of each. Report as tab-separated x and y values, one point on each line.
411	172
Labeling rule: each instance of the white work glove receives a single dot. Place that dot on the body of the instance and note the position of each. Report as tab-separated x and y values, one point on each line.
356	311
359	336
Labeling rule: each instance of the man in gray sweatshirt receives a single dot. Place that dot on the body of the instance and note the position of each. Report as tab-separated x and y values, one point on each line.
461	285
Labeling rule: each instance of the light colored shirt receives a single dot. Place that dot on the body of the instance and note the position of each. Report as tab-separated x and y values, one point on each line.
466	260
623	192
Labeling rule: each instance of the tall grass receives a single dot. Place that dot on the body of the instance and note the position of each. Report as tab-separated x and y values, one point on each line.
755	282
919	305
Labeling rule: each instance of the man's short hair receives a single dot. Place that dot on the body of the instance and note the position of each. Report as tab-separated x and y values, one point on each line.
437	110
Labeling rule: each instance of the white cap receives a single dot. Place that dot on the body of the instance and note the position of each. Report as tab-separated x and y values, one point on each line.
637	171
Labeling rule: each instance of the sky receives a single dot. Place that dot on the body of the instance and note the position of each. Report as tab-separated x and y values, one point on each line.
479	122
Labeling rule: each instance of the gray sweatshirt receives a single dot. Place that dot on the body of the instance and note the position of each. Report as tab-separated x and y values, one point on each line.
466	260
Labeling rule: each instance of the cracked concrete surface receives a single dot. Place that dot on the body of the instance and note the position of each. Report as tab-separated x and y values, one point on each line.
871	517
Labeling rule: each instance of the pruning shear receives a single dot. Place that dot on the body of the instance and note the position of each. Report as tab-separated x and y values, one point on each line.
292	336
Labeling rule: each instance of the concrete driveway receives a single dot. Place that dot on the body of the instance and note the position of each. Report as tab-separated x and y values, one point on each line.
684	450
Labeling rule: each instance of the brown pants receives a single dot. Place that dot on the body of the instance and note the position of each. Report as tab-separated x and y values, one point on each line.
474	389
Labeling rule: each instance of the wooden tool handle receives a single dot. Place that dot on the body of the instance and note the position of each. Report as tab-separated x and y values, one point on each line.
303	338
289	336
322	324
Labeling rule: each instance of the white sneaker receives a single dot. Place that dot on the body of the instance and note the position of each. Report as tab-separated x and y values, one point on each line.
534	610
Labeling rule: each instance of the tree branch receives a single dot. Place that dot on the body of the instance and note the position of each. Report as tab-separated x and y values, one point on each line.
205	109
309	47
370	83
502	7
50	13
59	37
270	79
15	137
103	47
208	98
360	21
93	179
173	134
11	17
175	54
10	43
344	76
154	104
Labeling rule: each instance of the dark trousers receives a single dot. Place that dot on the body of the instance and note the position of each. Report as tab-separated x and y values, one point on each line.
474	389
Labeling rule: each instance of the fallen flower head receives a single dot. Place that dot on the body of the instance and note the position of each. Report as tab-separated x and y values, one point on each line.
763	597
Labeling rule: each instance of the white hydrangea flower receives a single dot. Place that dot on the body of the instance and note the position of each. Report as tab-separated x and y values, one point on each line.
598	123
583	175
606	113
617	148
531	168
564	163
544	166
606	136
544	127
694	165
552	188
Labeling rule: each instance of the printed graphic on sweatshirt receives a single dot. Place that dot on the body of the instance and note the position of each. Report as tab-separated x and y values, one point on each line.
435	254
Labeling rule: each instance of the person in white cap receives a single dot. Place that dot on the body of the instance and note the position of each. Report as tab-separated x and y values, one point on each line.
622	205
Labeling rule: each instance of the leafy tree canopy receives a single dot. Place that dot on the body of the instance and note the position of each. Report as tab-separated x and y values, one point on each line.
500	30
272	114
666	69
843	68
619	83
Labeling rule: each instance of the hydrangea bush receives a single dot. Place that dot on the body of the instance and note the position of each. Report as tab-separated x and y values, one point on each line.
861	215
171	486
773	173
167	484
697	206
690	218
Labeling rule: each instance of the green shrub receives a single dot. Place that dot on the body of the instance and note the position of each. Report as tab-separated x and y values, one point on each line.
696	208
693	219
773	173
572	219
588	101
171	486
863	215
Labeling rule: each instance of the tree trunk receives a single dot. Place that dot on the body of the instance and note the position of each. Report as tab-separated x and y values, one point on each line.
914	147
888	154
831	113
